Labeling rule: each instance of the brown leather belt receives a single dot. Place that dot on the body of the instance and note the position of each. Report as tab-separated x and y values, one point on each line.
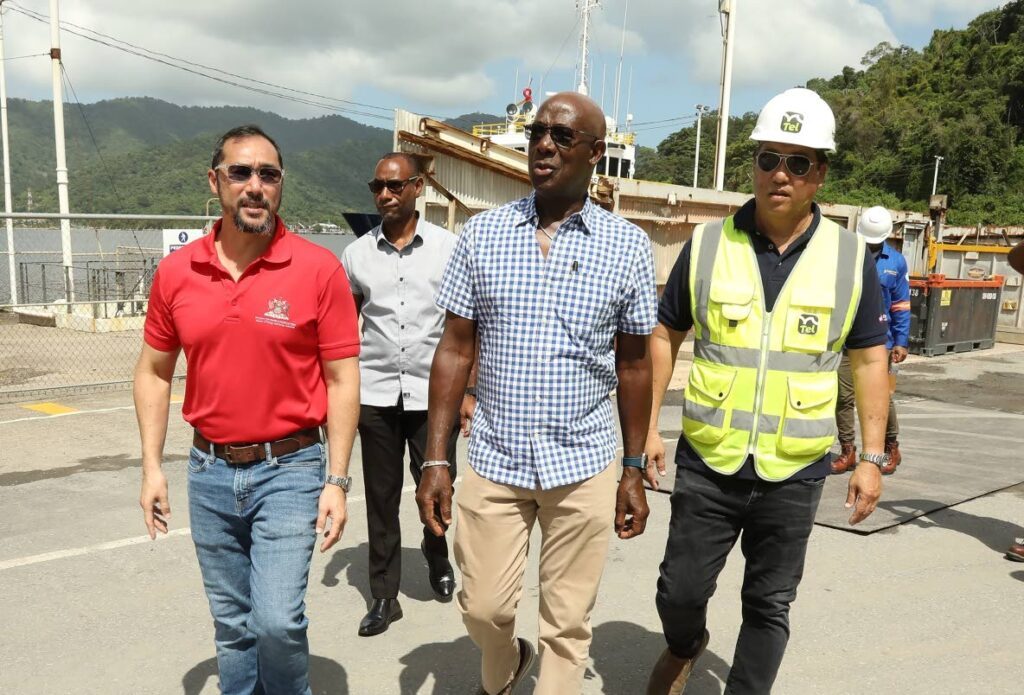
238	454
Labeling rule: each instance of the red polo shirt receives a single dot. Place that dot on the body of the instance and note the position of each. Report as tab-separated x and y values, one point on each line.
254	348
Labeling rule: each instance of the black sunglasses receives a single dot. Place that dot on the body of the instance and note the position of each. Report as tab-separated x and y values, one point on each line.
241	173
796	164
562	135
395	186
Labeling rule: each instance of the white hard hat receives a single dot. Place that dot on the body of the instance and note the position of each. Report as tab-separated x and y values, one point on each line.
875	225
798	116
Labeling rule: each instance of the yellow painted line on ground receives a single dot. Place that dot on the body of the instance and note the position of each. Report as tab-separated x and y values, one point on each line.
177	398
50	408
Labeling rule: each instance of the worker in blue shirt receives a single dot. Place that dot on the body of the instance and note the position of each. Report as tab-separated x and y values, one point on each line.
875	225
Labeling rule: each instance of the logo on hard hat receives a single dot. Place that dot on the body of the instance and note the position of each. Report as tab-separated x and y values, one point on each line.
807	324
792	122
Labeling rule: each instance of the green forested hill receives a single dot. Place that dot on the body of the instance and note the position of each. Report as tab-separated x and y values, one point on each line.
961	97
155	156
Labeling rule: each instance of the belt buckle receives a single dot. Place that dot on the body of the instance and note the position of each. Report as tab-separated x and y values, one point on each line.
234	454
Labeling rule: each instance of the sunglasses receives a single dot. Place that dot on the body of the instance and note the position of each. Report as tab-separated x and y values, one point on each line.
796	164
562	135
241	173
395	186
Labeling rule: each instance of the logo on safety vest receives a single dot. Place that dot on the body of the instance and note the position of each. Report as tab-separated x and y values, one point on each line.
807	324
792	122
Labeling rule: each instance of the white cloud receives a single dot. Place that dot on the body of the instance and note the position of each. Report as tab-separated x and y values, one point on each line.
927	12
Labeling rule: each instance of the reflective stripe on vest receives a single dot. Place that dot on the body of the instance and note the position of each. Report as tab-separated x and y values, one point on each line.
764	383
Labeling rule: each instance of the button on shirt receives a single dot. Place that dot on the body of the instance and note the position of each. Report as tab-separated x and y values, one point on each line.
401	323
547	329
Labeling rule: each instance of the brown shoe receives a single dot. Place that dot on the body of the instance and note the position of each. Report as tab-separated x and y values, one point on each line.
892	447
526	656
1016	551
847	459
670	674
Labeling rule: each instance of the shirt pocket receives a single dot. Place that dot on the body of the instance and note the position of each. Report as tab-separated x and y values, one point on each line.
809	320
587	304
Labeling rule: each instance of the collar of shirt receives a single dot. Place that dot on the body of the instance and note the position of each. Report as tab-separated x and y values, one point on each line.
278	252
417	238
745	221
527	207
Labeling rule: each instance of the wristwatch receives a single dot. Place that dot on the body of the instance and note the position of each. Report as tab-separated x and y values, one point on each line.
342	481
879	460
635	462
471	391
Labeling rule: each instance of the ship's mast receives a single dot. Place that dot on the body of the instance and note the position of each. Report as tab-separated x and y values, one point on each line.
585	7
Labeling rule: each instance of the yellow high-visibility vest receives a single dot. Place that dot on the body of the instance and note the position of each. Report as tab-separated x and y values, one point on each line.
764	383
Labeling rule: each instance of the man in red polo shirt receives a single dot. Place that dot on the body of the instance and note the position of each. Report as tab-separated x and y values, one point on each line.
269	331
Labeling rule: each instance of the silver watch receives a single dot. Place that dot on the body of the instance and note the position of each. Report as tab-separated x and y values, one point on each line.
879	460
342	481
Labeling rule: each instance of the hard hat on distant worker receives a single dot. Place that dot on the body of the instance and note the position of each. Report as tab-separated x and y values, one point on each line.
875	225
798	116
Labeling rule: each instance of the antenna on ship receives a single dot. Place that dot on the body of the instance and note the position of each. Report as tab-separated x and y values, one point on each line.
585	7
618	72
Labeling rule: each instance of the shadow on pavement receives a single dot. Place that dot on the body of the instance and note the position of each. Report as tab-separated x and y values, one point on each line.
1018	575
626	670
326	677
354	562
994	533
455	667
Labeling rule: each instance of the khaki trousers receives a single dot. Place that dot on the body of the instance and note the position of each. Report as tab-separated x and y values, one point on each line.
492	537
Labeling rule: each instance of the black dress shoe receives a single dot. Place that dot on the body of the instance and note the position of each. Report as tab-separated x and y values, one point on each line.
442	577
383	612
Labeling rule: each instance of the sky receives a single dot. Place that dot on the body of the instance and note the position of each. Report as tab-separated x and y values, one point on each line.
363	58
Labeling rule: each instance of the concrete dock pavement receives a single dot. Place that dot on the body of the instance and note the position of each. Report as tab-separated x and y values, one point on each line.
90	605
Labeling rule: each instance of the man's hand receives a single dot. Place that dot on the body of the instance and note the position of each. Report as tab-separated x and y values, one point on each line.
899	353
332	506
155	508
466	413
864	491
631	501
434	498
655	451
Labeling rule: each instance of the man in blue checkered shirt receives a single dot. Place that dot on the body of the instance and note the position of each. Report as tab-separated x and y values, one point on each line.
560	294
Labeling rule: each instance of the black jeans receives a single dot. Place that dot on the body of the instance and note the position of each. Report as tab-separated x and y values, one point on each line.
384	433
709	512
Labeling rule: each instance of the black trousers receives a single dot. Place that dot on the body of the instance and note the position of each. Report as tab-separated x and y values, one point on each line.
384	433
773	522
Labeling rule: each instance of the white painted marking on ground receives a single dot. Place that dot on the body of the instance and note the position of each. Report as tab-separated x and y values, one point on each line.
976	416
77	412
122	543
961	433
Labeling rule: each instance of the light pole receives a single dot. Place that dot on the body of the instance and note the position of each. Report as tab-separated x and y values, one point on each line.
935	180
701	110
11	264
62	162
727	8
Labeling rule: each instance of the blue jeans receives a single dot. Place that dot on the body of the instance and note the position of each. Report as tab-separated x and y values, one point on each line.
773	520
254	530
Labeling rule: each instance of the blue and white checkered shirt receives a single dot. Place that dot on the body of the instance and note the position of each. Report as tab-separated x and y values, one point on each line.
547	329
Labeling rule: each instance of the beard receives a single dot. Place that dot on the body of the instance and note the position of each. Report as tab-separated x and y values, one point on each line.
266	227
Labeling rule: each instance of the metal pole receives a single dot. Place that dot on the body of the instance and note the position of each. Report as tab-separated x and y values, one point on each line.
935	180
11	264
728	8
62	163
618	71
585	7
701	110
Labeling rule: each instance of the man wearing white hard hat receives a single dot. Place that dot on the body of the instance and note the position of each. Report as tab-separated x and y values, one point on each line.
875	225
772	294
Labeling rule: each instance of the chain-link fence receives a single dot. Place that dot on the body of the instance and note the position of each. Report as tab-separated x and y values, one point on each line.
58	336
